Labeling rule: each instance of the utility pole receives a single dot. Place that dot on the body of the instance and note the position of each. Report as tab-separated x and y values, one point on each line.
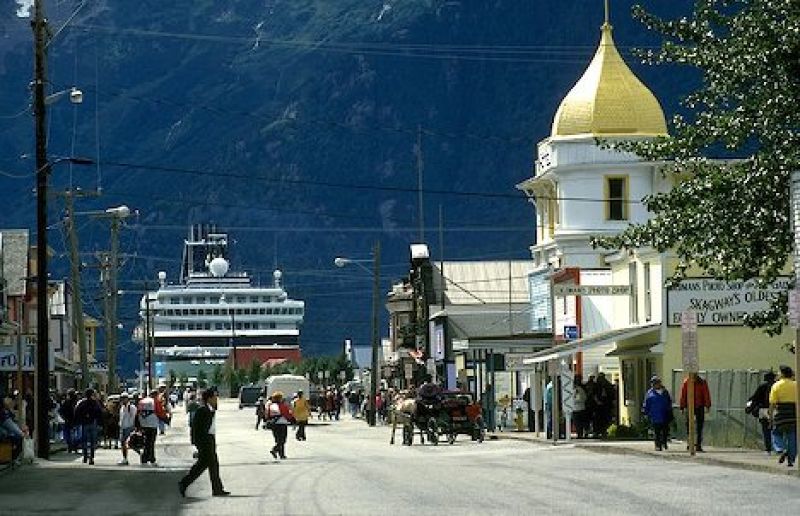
376	285
39	26
111	339
420	197
75	275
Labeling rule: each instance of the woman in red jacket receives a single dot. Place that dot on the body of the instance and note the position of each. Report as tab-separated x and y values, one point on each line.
279	417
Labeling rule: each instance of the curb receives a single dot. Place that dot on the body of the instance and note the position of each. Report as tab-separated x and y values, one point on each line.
697	459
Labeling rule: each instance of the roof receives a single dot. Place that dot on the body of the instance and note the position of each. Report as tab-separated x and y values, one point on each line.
608	337
609	100
487	321
14	247
483	282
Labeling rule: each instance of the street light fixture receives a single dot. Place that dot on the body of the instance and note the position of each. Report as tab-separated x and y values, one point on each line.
376	280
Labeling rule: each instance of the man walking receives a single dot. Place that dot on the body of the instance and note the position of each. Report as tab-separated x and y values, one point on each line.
302	411
658	408
702	403
89	414
127	422
783	407
204	437
148	420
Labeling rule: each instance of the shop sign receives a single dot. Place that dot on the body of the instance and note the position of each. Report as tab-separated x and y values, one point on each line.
8	361
721	303
561	290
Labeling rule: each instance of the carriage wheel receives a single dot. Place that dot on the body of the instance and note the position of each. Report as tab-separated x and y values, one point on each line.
480	430
408	435
433	435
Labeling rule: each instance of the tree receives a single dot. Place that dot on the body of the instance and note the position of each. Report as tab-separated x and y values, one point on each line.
183	377
202	379
254	373
217	374
729	218
173	377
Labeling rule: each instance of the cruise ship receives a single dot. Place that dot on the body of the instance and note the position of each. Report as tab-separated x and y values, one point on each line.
211	310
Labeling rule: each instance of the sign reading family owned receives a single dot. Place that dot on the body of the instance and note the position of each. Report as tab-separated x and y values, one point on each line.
721	303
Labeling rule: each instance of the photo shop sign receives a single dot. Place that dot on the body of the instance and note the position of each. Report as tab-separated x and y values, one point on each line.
721	303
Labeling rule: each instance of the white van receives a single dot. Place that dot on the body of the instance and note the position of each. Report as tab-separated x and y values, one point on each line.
288	384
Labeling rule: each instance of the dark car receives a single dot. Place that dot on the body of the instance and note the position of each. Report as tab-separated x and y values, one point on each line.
248	396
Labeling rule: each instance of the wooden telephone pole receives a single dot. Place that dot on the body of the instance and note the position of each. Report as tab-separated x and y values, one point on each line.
39	26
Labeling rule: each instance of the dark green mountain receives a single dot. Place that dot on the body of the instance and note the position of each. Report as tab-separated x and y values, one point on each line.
293	123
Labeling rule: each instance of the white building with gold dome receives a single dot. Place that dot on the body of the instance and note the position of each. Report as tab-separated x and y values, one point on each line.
583	189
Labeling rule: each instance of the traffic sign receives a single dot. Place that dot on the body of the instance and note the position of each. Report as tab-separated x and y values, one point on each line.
571	332
691	362
794	308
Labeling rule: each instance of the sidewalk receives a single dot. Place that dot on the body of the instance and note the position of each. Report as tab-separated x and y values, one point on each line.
737	458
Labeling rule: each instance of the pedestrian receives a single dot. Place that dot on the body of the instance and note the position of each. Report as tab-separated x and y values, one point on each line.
783	408
591	390
603	406
579	409
204	432
758	406
67	412
163	410
89	414
657	407
260	416
191	408
702	403
148	422
127	423
279	417
352	403
10	428
302	411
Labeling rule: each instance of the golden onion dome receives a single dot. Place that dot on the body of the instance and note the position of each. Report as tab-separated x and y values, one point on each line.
609	100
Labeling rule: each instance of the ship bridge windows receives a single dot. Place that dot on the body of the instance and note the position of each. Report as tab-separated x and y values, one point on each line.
218	326
174	300
254	299
241	299
182	326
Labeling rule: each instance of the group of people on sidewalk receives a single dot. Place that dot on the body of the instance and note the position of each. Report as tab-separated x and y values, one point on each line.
774	403
657	406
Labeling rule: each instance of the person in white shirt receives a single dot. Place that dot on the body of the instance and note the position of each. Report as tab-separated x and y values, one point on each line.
148	420
127	422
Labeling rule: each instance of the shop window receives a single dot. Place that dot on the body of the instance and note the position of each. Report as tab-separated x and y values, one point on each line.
634	299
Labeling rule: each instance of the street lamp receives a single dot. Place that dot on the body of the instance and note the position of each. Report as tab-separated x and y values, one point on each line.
233	328
376	280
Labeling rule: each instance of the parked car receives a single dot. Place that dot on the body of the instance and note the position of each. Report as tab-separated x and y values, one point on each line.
248	395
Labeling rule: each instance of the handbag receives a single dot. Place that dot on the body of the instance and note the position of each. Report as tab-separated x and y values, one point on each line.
28	453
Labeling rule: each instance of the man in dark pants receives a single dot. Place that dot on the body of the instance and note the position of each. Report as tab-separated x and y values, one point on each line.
702	403
203	433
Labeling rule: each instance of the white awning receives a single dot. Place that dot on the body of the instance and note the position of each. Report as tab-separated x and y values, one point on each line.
592	341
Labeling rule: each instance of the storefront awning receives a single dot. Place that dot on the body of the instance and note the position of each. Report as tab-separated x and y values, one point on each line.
592	341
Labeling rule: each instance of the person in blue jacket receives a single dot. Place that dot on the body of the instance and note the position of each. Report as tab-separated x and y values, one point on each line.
658	408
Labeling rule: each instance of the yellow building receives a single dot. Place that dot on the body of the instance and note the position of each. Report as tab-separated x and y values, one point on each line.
640	332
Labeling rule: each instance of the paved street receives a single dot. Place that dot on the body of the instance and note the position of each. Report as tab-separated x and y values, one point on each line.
347	468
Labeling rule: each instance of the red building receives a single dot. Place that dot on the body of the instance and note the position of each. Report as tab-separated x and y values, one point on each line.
270	355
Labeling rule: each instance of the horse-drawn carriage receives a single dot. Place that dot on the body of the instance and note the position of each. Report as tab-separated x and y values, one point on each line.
446	415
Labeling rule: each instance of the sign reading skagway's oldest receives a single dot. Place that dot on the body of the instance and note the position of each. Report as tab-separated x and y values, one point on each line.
720	303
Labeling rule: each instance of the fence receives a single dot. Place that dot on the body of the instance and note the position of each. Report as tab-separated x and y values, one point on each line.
726	424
